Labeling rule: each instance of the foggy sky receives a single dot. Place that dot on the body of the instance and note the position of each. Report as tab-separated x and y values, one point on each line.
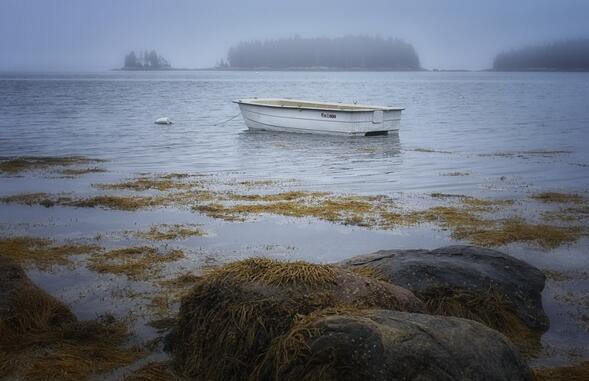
95	35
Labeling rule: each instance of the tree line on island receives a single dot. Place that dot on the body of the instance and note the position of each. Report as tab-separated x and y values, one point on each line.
350	52
145	61
368	53
566	55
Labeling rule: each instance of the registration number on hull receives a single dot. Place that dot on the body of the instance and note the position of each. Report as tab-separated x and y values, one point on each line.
328	115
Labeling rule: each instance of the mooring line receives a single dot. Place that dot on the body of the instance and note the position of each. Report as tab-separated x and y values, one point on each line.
228	120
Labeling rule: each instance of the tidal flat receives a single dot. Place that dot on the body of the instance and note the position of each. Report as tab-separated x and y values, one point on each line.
131	248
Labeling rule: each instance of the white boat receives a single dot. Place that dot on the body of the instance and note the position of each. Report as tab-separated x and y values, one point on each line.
291	115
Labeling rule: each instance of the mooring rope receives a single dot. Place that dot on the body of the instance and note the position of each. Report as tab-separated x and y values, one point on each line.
228	120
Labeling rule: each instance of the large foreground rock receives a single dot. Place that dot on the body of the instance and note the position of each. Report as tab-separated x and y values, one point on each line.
234	314
381	345
470	282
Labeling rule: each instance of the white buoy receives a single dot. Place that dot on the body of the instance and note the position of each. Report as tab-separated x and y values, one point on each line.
164	121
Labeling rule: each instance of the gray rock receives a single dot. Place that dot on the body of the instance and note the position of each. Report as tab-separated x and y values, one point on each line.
375	345
467	268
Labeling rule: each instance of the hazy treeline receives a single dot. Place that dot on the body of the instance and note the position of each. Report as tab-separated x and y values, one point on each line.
145	61
563	55
351	52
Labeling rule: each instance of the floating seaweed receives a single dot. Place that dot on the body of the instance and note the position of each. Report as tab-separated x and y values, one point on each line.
137	263
42	253
166	232
21	164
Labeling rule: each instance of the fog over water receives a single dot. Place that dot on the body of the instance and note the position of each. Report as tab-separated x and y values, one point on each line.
95	35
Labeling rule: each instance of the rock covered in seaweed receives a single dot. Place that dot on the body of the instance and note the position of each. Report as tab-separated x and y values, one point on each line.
16	285
471	282
390	345
41	339
235	313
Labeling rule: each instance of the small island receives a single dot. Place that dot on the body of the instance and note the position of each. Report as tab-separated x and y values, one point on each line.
342	53
146	61
567	55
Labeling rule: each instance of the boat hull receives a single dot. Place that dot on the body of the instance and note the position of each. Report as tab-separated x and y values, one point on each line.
333	122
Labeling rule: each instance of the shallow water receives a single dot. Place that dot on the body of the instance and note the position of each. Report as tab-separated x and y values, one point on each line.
508	135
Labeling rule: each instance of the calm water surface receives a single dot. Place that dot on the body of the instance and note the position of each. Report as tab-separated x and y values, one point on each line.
470	115
512	134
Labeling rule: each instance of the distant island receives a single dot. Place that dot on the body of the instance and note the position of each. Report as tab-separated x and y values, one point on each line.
567	55
146	61
342	53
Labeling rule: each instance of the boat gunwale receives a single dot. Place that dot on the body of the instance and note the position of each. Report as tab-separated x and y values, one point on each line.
353	107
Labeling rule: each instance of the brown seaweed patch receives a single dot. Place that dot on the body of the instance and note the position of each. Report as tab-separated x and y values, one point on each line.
484	205
489	308
292	348
446	195
576	372
137	263
556	197
343	209
169	232
465	224
41	340
273	197
29	163
45	199
160	183
276	273
127	203
70	172
571	214
41	253
163	303
517	230
153	371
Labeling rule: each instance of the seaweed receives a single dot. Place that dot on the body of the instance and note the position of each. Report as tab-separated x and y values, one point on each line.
143	183
70	172
41	340
17	165
237	311
127	203
137	263
45	199
42	253
489	308
274	273
556	197
153	371
166	232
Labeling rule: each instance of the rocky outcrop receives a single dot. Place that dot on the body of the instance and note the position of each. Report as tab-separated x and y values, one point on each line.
466	281
261	319
389	345
234	314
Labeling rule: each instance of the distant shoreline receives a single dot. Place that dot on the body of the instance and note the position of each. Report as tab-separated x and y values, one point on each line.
285	69
532	70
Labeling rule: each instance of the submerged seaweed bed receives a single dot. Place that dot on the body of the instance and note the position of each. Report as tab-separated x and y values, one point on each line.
142	272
